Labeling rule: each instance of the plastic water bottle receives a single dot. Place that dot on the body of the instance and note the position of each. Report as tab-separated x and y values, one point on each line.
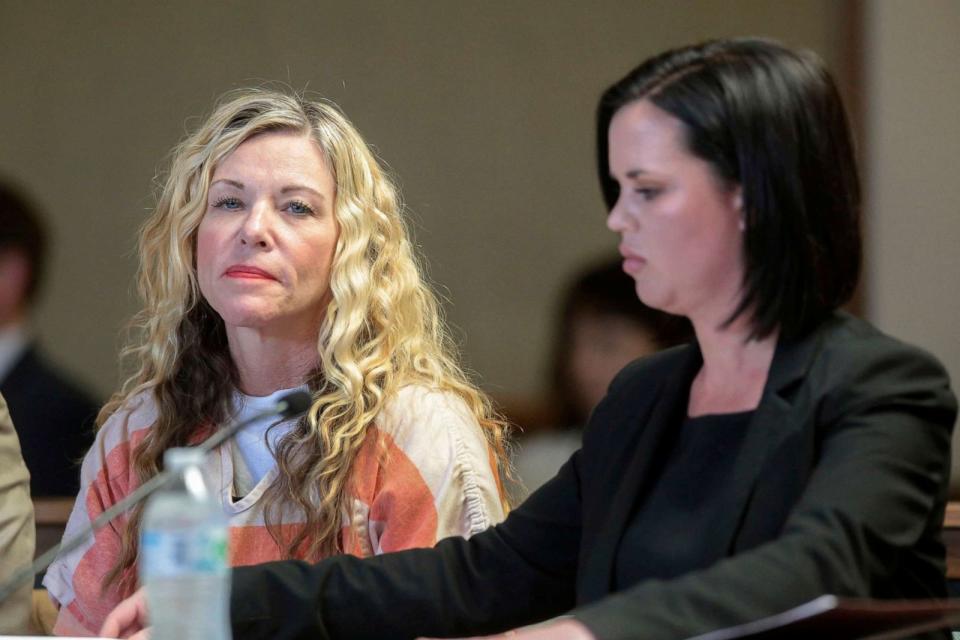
183	556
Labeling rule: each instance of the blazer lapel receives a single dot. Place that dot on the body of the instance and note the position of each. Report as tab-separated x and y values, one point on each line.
774	419
631	479
771	422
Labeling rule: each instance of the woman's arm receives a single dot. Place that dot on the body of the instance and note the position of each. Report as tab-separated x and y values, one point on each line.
75	580
424	474
518	572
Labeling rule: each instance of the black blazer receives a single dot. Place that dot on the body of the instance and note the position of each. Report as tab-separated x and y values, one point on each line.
840	488
54	420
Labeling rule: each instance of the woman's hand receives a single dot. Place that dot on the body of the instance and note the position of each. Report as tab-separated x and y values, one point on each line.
568	629
128	619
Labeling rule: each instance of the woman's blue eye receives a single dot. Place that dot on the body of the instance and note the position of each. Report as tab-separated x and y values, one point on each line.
300	208
227	202
647	193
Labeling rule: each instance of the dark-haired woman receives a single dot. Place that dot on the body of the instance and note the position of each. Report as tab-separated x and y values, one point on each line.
792	451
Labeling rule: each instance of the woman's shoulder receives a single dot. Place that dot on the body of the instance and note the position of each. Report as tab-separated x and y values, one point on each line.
854	366
423	412
858	340
849	348
130	422
435	461
436	431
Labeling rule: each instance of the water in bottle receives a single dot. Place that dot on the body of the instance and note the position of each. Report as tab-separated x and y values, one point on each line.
183	556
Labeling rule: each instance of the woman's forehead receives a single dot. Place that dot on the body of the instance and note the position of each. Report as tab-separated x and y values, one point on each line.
275	154
641	133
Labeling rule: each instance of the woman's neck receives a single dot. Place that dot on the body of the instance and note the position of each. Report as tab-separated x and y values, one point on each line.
267	363
734	370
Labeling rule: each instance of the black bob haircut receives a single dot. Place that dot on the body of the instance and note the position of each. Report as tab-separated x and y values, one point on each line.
770	120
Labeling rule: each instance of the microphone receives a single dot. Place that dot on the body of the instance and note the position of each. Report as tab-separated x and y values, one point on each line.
290	405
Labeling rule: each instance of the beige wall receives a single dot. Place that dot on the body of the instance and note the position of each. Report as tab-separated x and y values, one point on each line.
484	110
913	51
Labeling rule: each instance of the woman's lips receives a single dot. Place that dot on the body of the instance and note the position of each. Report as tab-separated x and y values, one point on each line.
247	272
632	262
633	265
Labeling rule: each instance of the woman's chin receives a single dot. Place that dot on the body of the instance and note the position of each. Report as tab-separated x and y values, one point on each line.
654	298
250	319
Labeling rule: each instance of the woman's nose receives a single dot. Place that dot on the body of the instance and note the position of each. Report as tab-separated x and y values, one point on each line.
255	230
617	220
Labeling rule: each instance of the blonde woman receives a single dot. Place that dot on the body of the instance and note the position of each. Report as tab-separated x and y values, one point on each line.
277	259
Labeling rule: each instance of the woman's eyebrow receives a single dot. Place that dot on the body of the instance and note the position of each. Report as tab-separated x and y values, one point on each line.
300	187
232	183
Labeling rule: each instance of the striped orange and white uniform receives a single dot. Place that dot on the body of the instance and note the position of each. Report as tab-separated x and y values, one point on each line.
423	473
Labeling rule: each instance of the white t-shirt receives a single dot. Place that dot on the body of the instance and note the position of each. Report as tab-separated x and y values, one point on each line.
252	449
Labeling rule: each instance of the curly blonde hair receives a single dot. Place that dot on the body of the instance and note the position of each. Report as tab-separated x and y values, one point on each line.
382	329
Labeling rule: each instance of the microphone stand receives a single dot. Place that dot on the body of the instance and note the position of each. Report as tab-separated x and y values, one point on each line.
291	405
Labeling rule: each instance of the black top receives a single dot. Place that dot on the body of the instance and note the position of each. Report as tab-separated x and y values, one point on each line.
669	534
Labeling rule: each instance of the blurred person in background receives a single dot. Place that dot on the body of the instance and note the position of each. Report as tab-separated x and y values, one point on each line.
54	415
277	259
602	327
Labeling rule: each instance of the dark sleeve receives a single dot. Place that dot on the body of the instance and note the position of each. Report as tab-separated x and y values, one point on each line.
874	498
520	571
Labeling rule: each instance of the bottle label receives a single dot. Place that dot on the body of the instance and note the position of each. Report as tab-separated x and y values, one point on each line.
166	553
